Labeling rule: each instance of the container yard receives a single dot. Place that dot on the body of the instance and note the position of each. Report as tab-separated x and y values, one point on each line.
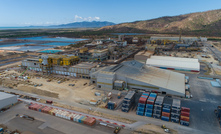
63	114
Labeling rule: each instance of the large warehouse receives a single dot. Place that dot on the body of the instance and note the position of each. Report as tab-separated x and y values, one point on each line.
136	75
7	99
174	63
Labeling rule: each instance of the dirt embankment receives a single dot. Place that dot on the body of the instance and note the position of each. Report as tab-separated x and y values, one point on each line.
37	91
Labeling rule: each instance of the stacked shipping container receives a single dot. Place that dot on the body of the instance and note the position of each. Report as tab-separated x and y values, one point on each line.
128	101
158	107
185	116
63	114
218	114
149	105
175	112
111	105
142	103
166	109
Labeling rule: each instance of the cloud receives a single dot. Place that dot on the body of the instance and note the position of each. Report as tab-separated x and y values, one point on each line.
79	18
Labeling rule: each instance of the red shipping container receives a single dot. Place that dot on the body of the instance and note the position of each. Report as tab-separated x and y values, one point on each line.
142	100
184	118
150	102
165	114
185	109
185	114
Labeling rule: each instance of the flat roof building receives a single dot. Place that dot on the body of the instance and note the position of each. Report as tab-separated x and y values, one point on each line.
7	99
174	63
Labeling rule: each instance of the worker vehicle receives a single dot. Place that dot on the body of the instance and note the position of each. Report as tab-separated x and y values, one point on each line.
117	130
165	129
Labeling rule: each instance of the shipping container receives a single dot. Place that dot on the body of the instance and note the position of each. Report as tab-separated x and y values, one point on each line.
175	120
173	110
159	100
166	110
157	107
149	110
150	102
149	106
153	95
157	111
184	118
146	94
174	115
157	116
165	105
140	113
141	105
148	114
185	109
165	114
176	104
185	114
185	123
140	109
165	118
142	100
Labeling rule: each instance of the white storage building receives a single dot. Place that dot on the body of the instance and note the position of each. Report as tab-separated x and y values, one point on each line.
7	99
174	63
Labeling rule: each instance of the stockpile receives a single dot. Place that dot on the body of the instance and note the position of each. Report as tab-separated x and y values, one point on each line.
166	110
158	107
175	112
142	103
218	114
63	114
185	116
149	105
128	101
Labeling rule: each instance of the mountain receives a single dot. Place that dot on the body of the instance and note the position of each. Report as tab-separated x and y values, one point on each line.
206	23
86	24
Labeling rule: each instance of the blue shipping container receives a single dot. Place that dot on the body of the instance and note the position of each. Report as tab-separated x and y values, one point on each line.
149	110
149	106
185	123
166	110
145	94
140	109
141	105
140	113
165	118
153	95
148	114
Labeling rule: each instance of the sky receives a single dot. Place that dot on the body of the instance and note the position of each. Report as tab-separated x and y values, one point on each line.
55	12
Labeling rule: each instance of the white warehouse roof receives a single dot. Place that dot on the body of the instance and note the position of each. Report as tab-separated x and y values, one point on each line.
166	62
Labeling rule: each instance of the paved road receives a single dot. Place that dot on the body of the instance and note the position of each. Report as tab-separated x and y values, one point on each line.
216	52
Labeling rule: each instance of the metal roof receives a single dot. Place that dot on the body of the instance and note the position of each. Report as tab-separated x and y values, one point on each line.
85	65
174	62
159	77
5	95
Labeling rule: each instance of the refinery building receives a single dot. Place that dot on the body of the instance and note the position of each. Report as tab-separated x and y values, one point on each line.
136	75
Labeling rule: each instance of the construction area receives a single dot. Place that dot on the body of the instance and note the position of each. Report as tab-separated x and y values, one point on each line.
155	85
